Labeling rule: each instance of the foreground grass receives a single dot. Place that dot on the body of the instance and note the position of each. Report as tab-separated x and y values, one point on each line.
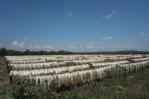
136	86
5	86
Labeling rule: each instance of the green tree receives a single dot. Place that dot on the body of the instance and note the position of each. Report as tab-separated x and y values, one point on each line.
3	52
27	52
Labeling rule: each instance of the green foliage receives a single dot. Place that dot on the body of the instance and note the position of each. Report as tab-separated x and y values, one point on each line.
3	52
25	89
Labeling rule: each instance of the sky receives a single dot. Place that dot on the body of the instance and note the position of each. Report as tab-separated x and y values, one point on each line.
74	25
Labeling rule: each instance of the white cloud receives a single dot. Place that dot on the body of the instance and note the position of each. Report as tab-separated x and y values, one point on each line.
71	47
16	44
46	47
35	47
81	47
142	33
90	47
26	38
107	38
112	14
70	13
145	36
40	47
108	17
101	47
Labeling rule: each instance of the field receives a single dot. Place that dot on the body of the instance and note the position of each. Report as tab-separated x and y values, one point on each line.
75	77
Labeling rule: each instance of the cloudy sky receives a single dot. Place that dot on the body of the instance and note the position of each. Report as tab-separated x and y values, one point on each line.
74	25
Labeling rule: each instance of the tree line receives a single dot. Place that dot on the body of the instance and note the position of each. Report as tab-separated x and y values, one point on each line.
4	52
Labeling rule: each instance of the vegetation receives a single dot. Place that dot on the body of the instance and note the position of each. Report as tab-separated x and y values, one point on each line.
135	86
4	52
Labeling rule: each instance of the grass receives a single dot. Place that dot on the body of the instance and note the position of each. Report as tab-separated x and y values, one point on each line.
5	86
136	86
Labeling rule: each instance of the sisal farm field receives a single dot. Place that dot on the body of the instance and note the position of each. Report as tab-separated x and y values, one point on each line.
62	76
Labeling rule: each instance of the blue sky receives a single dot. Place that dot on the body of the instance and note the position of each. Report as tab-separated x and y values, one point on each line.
74	25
